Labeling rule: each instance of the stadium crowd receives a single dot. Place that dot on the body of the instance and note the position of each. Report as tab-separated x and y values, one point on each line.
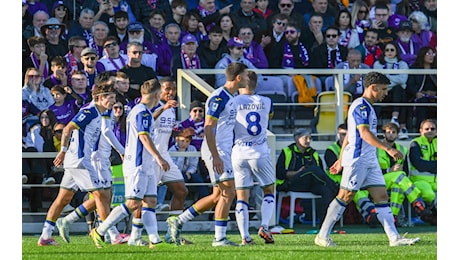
66	44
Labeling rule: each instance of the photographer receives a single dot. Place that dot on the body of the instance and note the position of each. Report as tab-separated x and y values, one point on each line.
299	168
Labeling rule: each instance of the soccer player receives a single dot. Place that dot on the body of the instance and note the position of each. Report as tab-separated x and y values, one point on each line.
164	115
361	169
251	158
101	162
216	152
78	140
138	169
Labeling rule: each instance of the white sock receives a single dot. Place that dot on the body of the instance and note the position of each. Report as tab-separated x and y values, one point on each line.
242	218
334	213
386	218
116	215
266	209
150	223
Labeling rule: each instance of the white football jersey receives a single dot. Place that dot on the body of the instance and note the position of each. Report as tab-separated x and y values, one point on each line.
164	125
360	113
251	127
139	121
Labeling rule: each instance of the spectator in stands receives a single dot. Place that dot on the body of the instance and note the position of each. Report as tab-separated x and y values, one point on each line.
407	47
52	31
235	47
112	60
430	9
29	116
78	85
120	26
385	32
251	49
38	20
143	8
287	7
370	50
178	9
348	36
59	73
210	14
89	59
321	7
246	16
34	92
362	202
100	31
329	53
171	47
64	108
73	57
188	59
40	137
123	5
196	121
262	9
104	11
191	24
406	7
157	22
423	156
314	34
275	32
77	7
62	14
423	88
38	58
122	86
353	83
83	27
36	5
119	127
188	165
391	59
421	29
299	168
211	50
228	26
136	71
360	18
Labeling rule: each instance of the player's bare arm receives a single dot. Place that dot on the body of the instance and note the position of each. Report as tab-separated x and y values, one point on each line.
65	140
210	124
148	144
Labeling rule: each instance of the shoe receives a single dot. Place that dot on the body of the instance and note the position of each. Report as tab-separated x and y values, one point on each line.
49	180
184	241
420	208
47	242
174	228
403	134
68	208
372	219
266	235
395	121
64	229
223	242
402	241
121	239
137	242
97	238
247	242
162	207
24	179
324	242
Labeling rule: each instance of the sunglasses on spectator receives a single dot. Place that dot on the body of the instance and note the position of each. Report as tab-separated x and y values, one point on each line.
331	36
117	107
290	31
55	27
197	110
280	23
286	5
34	76
90	58
58	131
390	50
430	54
112	44
363	11
429	129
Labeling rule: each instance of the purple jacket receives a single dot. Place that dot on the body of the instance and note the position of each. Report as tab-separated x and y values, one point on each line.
256	55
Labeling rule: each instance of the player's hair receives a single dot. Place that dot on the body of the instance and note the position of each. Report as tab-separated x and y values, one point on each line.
121	74
252	84
374	77
234	69
102	89
150	86
104	76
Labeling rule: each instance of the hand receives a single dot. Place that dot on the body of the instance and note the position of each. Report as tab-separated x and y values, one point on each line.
164	165
336	167
170	104
396	167
397	155
218	165
68	89
43	57
226	9
265	40
59	159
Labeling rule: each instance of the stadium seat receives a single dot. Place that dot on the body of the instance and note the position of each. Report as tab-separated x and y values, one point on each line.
273	87
296	195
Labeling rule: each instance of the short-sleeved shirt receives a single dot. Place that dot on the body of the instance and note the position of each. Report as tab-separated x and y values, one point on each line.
84	138
251	127
137	158
164	125
360	113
